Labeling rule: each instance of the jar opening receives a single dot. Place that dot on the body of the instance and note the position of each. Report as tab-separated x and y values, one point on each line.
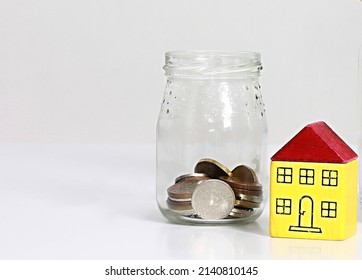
230	64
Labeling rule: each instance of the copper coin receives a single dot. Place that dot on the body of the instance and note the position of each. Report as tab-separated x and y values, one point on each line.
179	199
247	204
241	192
180	206
192	176
185	187
245	174
251	198
238	184
241	212
212	168
237	209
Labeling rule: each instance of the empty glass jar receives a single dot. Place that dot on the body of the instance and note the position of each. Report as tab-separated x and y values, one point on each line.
212	164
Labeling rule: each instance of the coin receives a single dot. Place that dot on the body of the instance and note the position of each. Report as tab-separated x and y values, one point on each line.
192	176
212	168
185	186
244	174
247	204
237	212
182	190
252	198
183	208
239	192
213	199
179	205
235	182
179	199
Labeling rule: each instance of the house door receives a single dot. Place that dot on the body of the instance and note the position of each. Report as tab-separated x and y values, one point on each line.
305	216
305	212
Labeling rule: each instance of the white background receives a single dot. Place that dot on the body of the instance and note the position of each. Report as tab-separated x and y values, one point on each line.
81	84
90	71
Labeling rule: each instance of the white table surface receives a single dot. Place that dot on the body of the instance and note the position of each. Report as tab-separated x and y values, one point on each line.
61	201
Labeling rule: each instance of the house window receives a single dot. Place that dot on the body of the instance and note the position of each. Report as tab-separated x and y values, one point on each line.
284	175
329	178
284	206
306	176
329	209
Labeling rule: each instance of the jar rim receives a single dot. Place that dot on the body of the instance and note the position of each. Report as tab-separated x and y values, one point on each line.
209	53
212	62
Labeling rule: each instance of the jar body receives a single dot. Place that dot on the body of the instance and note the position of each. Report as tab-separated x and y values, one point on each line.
211	121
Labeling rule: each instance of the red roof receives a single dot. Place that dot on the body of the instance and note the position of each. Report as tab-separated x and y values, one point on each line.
316	142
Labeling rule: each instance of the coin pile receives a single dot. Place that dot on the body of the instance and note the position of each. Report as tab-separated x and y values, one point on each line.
214	192
179	194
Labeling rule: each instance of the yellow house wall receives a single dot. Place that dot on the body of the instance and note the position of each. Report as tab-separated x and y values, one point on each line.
345	194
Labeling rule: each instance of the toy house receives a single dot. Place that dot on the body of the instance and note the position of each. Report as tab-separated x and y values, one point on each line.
313	186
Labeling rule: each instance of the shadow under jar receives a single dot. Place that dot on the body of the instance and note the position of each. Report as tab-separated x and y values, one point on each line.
211	138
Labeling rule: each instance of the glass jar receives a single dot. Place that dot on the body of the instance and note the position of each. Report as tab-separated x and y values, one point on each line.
211	138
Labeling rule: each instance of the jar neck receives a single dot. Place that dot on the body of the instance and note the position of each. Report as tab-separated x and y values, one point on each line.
212	65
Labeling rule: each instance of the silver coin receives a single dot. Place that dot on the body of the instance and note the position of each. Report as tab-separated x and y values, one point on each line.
213	199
